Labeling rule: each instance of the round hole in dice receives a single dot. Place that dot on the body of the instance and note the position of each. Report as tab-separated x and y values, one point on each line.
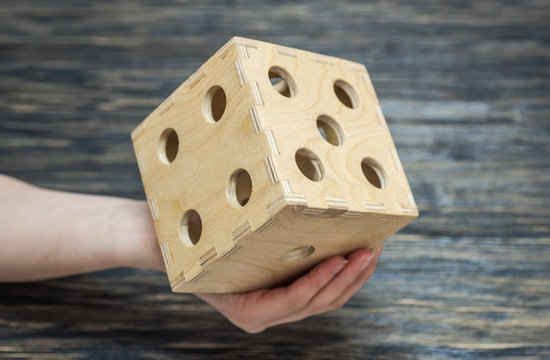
214	104
373	172
346	94
190	228
282	81
309	164
330	130
298	253
239	188
168	146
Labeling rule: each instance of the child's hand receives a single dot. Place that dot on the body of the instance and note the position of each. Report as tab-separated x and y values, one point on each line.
326	287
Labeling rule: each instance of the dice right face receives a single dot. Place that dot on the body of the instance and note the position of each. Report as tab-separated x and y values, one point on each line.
266	161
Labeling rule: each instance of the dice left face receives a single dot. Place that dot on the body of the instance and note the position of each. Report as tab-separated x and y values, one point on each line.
203	168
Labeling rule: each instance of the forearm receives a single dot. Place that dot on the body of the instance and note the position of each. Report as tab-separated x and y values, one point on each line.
47	234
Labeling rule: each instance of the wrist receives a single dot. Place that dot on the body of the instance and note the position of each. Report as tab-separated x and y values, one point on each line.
135	239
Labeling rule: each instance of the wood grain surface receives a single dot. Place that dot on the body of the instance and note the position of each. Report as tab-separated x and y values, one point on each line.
292	204
465	87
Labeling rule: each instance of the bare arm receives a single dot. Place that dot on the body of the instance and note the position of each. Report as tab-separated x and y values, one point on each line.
47	234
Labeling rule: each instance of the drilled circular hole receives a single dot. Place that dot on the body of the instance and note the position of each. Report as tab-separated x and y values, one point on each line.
239	188
346	94
330	130
374	172
214	103
168	146
298	253
282	81
190	228
309	164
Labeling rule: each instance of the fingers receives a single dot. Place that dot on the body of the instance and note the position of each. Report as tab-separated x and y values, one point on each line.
287	300
364	276
261	309
326	287
326	298
323	300
360	264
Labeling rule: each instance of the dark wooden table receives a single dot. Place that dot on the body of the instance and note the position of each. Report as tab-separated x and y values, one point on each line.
465	87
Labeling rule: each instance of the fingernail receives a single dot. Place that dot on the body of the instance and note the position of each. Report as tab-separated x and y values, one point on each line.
372	255
366	261
339	267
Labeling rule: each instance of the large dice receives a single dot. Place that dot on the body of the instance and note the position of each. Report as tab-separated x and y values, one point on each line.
266	161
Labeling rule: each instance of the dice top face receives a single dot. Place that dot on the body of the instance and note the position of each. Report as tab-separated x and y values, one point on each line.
264	162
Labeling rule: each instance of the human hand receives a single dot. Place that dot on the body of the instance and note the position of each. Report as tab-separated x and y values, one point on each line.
108	232
328	286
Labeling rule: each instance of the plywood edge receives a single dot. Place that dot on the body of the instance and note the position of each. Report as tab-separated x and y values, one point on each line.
295	52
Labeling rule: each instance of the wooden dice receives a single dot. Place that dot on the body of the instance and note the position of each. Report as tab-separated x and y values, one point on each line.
266	161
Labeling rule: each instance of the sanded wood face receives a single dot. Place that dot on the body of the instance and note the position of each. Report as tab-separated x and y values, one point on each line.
266	161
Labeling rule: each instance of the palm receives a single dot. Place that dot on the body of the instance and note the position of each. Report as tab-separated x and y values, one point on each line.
326	287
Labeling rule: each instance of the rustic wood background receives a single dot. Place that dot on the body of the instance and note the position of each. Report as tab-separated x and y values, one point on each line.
465	86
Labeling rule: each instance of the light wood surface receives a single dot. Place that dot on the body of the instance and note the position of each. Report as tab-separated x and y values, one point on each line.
312	190
463	87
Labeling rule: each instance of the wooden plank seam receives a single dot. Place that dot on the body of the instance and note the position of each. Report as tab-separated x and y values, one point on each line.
166	105
178	280
195	78
141	163
274	205
199	276
240	72
267	224
166	255
232	251
255	120
241	230
154	209
209	255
